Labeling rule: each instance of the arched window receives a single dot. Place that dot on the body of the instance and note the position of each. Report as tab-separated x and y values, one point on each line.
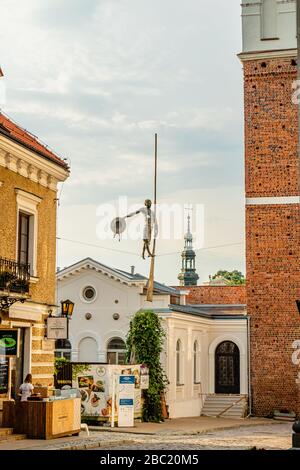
63	348
196	363
178	363
116	351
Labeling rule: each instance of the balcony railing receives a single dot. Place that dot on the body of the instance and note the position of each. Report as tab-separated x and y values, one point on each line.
14	276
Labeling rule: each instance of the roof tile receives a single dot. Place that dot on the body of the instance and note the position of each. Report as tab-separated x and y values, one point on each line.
22	136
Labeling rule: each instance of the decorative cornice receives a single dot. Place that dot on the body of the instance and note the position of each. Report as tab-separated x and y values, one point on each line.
111	274
31	197
31	166
257	55
258	201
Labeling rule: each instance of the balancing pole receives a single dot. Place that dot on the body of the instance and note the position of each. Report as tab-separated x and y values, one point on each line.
151	275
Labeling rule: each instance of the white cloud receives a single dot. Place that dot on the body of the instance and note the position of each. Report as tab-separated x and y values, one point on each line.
96	79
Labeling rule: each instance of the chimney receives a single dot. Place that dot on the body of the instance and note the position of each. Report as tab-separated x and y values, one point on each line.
132	270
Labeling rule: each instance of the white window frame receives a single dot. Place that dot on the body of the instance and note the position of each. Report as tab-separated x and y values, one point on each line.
269	12
196	363
179	364
28	204
117	351
82	297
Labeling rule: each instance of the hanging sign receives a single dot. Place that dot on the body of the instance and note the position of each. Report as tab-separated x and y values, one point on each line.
57	328
4	375
126	385
9	342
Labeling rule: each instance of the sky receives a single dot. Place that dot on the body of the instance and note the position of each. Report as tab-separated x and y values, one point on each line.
95	80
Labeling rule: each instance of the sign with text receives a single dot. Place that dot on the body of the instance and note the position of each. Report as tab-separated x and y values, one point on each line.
9	342
126	386
57	328
4	375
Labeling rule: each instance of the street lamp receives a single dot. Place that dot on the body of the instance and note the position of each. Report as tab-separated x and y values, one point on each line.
67	307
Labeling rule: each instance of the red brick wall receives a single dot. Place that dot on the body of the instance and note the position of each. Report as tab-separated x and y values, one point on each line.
216	295
272	233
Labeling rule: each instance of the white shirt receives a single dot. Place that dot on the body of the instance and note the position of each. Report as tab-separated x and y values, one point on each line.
26	389
149	216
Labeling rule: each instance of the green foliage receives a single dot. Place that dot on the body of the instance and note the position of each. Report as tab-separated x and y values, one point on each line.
59	362
235	277
79	369
144	346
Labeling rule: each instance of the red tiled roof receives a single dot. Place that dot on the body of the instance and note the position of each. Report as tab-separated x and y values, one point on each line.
15	132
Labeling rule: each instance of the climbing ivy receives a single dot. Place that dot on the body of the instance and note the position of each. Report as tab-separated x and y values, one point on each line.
59	363
144	346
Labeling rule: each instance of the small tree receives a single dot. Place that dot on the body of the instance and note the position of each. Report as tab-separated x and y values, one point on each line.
144	346
234	278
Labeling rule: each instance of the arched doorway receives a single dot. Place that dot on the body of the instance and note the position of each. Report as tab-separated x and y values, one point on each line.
227	368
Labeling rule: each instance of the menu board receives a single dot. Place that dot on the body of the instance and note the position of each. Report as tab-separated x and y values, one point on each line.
125	393
4	375
95	382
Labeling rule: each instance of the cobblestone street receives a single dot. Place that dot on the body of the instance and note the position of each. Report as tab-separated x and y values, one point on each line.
262	437
195	437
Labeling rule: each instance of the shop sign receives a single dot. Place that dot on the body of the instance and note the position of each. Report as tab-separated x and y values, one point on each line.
57	328
4	375
9	342
126	388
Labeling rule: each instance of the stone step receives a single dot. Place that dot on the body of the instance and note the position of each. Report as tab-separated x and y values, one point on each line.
216	404
12	437
6	431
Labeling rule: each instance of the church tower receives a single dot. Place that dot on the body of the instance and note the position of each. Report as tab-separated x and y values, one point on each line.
188	275
269	60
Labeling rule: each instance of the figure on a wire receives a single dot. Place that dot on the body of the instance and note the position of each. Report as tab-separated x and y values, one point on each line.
118	226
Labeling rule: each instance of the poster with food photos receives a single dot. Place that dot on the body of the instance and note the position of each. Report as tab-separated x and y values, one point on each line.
95	383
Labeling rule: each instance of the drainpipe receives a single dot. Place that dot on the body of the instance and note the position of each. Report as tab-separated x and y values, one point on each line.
249	366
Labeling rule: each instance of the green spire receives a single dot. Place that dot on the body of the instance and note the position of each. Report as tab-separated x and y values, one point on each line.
188	275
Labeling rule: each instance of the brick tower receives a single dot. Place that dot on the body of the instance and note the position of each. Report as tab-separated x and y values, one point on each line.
269	60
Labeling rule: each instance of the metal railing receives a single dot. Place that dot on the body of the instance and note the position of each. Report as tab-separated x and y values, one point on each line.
231	406
14	276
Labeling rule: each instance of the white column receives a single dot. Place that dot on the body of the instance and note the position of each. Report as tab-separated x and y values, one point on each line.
101	356
188	367
74	355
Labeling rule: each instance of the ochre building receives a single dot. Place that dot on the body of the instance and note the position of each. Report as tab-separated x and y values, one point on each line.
29	174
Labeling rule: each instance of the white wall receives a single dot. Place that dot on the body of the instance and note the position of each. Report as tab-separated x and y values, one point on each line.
101	327
257	27
187	399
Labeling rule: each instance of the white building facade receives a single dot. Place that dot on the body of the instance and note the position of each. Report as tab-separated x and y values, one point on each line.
106	299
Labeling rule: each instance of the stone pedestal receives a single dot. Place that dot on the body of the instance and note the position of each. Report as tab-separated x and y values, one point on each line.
296	435
296	441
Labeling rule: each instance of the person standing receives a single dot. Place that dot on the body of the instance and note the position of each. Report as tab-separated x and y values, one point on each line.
26	388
